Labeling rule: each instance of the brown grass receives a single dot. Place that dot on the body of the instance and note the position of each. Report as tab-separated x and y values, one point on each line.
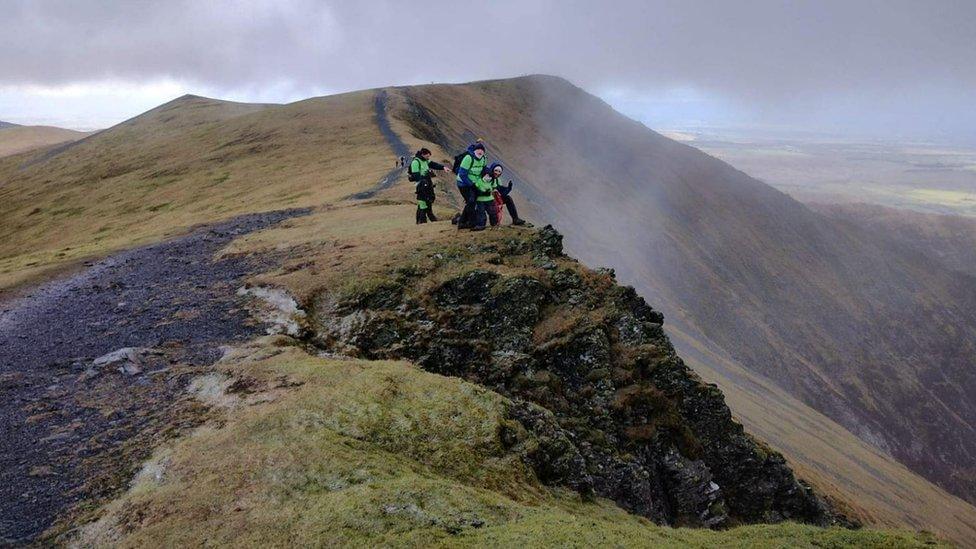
187	162
21	139
324	453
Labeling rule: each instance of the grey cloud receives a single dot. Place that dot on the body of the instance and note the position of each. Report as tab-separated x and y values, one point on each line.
218	43
768	55
756	47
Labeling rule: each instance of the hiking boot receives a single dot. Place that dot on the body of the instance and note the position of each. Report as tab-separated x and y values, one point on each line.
477	228
518	221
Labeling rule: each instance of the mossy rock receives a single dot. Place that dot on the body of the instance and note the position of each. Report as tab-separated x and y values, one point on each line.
594	356
382	454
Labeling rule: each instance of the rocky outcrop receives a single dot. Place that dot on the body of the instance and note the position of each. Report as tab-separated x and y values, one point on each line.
612	410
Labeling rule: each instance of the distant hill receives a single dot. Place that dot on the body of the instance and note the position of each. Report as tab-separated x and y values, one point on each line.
191	160
18	139
6	124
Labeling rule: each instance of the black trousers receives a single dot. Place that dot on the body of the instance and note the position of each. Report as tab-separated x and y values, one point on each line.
425	200
468	193
423	214
483	210
510	205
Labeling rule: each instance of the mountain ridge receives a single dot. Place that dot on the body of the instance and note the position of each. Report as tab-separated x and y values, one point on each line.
713	231
274	146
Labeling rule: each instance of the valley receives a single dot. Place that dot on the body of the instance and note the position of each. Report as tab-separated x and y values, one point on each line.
924	177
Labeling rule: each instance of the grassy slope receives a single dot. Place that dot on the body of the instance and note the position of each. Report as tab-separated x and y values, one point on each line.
190	161
207	160
949	239
856	476
351	245
807	302
324	452
882	490
18	139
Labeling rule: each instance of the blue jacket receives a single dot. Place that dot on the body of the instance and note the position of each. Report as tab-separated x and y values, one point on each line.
462	175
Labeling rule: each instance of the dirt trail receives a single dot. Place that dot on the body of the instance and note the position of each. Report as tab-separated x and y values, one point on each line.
72	429
399	148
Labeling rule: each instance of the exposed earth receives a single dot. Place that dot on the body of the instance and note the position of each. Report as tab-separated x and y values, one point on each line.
69	420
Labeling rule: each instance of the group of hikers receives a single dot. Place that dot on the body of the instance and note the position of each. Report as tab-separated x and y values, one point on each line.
478	182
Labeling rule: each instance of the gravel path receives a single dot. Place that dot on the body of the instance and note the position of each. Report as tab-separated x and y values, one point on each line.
399	148
72	429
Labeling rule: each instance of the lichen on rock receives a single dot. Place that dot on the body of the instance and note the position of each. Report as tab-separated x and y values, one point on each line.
612	409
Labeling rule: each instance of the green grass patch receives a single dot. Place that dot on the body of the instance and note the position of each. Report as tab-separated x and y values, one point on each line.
319	452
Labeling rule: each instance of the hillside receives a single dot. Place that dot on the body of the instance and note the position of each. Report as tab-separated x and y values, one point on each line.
18	139
196	160
948	239
317	448
6	125
190	161
863	482
330	458
380	451
786	292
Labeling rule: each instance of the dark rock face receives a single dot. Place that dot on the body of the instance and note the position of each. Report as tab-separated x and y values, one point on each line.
612	410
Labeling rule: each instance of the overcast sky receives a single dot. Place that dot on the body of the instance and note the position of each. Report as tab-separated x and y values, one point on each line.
899	68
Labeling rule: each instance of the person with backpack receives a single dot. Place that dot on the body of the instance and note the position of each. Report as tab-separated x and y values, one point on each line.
495	170
421	172
469	167
484	202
